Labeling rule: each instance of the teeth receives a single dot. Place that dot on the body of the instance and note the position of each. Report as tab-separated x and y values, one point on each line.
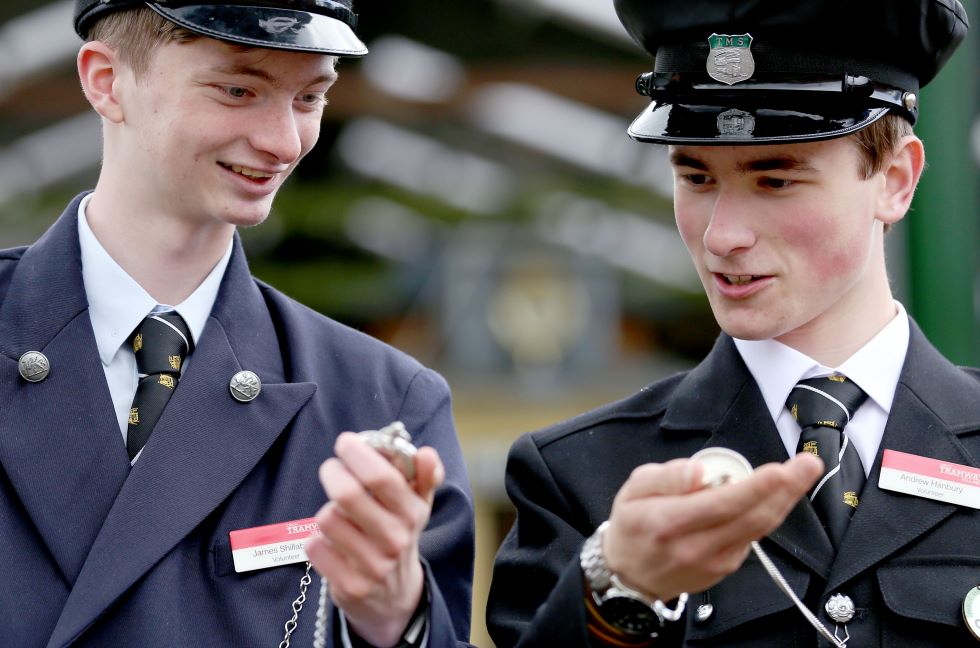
251	173
738	280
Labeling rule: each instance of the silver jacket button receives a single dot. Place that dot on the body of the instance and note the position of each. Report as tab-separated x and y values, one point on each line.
245	386
34	366
704	612
840	608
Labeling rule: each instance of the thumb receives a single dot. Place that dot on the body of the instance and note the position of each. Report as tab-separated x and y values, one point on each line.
429	472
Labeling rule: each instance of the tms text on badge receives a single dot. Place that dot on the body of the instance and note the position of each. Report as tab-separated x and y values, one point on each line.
272	545
930	478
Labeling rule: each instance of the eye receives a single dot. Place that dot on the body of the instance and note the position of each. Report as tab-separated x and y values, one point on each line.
236	92
313	99
775	183
696	179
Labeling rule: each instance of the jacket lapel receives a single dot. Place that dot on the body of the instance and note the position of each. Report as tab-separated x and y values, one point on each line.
202	448
59	440
721	397
886	521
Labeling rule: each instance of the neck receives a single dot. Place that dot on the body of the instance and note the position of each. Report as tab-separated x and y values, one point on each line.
167	256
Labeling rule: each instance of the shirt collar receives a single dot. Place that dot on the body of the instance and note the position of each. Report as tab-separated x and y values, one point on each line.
875	367
117	303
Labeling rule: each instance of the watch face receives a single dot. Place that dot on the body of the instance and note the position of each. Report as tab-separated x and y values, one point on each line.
629	615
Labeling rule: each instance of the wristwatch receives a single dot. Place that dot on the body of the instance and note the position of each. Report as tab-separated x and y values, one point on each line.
627	610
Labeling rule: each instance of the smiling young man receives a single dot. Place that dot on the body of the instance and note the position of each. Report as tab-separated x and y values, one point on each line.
162	408
789	129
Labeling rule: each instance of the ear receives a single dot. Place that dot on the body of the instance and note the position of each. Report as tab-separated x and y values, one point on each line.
901	175
98	70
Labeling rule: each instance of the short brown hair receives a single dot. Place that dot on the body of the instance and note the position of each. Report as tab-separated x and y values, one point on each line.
878	141
135	33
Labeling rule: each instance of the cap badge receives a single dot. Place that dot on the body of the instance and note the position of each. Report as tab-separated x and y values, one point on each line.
735	124
730	58
280	25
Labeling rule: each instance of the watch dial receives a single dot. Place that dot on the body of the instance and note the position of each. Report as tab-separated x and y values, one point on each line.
630	616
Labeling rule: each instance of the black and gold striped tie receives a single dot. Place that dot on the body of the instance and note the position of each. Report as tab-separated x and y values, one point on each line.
161	343
822	407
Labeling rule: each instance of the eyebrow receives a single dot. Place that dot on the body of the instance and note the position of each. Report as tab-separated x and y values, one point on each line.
778	163
248	70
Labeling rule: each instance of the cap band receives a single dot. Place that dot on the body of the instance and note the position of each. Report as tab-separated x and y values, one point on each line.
775	60
664	87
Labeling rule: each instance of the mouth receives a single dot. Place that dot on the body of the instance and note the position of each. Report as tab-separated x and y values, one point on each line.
740	280
255	175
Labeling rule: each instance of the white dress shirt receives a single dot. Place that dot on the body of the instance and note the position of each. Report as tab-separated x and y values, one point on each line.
117	304
875	368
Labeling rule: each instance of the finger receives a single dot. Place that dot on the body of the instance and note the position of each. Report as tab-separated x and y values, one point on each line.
374	471
429	473
315	547
388	530
808	467
362	552
346	582
756	505
675	477
753	506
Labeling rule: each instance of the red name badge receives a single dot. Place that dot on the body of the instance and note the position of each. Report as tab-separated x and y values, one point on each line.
930	478
272	545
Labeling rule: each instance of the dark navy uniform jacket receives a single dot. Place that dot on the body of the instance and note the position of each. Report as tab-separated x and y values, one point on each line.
95	554
906	562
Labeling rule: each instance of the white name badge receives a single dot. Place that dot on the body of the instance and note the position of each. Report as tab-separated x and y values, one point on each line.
930	478
273	545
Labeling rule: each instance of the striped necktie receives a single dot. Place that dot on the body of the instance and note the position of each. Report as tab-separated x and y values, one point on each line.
823	407
161	343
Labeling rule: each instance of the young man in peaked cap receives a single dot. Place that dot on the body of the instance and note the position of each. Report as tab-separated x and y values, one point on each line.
136	314
789	133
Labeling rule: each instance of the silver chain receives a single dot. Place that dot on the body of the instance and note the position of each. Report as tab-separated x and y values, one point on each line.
320	628
395	443
722	466
780	581
297	606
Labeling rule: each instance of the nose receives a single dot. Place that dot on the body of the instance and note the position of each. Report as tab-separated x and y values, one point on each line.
279	133
730	229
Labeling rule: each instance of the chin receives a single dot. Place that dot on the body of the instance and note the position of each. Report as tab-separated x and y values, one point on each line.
246	215
745	330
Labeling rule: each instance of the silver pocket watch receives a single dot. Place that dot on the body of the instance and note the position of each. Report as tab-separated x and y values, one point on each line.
395	443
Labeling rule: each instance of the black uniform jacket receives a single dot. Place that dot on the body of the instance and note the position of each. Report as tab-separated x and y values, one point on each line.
906	562
94	553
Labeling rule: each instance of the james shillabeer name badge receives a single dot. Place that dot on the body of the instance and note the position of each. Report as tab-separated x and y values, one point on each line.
930	478
272	545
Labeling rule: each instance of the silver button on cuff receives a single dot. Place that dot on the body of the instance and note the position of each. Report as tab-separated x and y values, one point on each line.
34	366
245	386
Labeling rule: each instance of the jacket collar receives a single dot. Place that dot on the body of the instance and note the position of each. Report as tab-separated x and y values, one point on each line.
721	399
60	443
934	403
107	525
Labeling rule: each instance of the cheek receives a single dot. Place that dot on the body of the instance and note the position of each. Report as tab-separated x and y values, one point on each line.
690	226
828	250
309	133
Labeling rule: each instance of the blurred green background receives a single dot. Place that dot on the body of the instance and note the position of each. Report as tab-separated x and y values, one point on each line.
474	200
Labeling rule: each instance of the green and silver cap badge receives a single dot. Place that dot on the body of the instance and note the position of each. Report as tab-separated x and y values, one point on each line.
730	58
